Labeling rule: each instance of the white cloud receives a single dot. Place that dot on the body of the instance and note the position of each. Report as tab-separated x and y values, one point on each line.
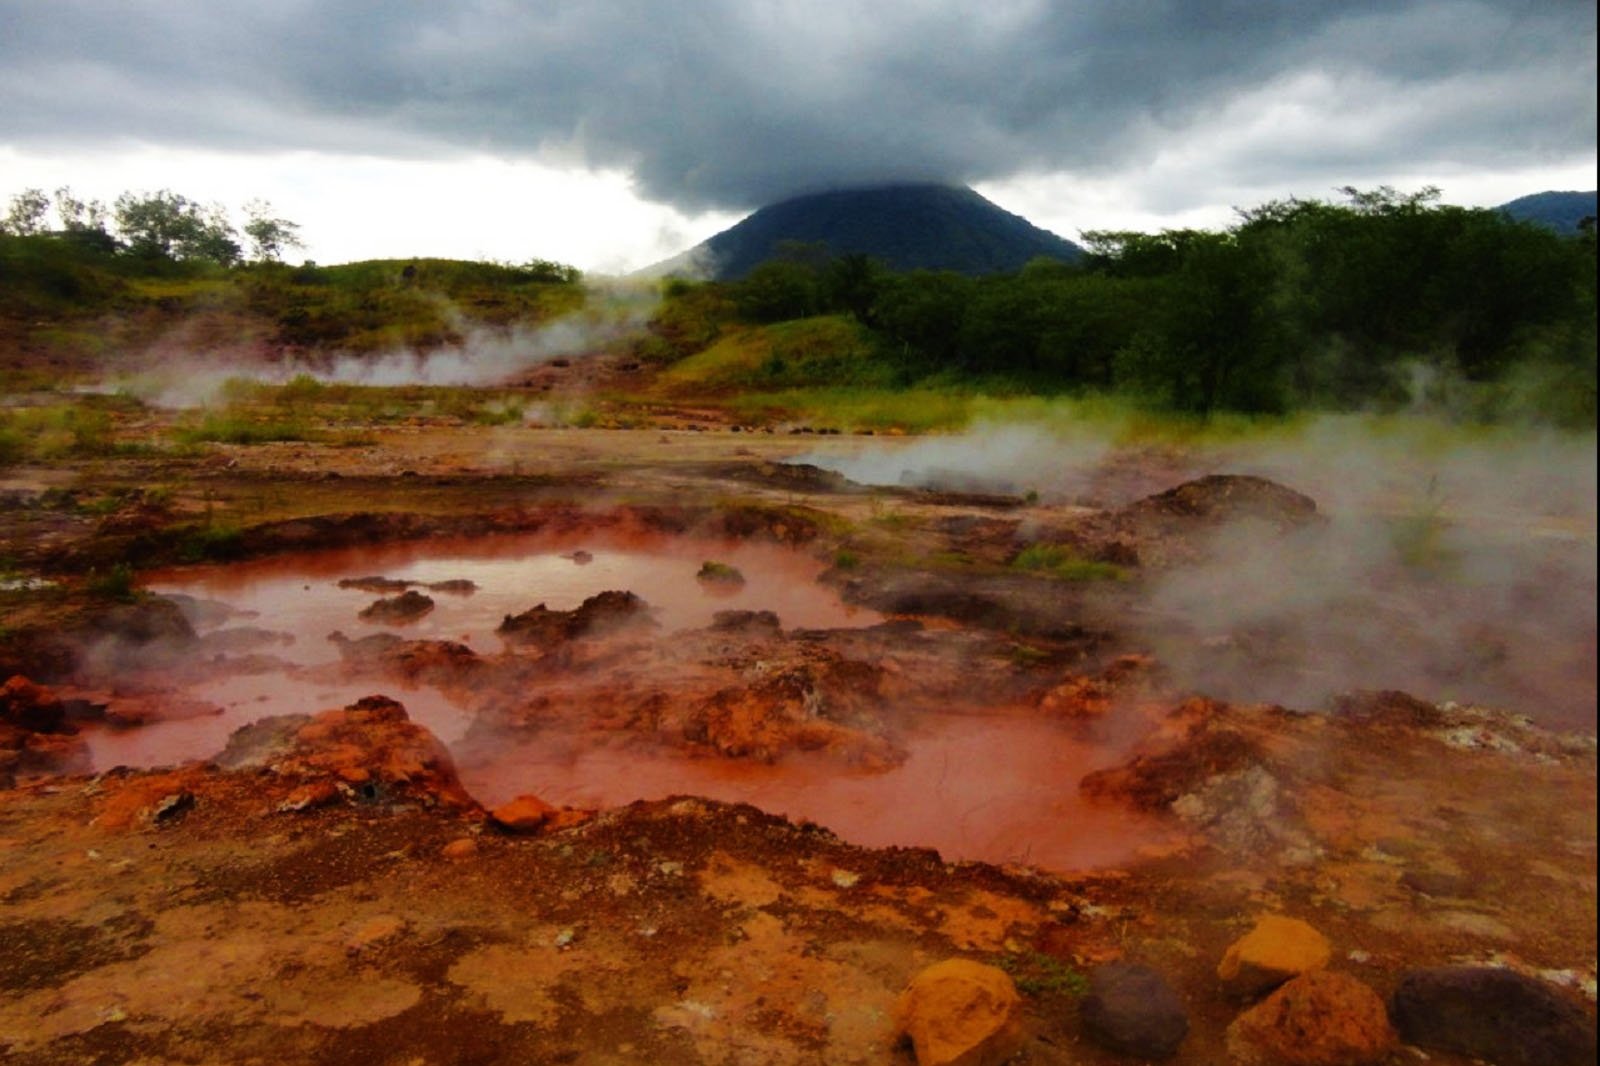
366	207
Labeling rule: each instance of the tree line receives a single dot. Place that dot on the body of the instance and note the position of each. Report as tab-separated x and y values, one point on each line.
160	225
1299	303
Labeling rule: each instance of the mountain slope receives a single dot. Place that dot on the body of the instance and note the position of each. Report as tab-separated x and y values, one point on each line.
908	227
1561	211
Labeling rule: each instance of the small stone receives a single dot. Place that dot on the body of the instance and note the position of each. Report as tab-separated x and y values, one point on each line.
373	931
525	814
1130	1009
1493	1014
960	1013
1317	1019
462	848
1276	950
845	878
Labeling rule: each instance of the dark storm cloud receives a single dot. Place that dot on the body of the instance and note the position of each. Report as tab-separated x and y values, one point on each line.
735	102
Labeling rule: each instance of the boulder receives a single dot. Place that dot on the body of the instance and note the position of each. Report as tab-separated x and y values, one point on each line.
368	751
1130	1009
1317	1019
1277	949
960	1013
1494	1014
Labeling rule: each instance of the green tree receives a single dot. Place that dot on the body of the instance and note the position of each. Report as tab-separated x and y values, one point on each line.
165	225
26	216
269	235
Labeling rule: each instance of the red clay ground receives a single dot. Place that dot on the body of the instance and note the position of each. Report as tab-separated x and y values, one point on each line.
333	895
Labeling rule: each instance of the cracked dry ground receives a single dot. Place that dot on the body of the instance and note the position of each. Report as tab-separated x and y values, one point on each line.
262	913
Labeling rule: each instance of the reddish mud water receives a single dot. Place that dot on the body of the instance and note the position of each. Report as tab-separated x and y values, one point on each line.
997	788
992	787
298	597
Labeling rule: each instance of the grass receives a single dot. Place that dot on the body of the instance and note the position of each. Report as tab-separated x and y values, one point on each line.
804	353
74	430
1061	562
1038	974
234	427
211	541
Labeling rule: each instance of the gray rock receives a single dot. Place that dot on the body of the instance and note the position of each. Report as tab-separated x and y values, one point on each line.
1493	1014
1130	1009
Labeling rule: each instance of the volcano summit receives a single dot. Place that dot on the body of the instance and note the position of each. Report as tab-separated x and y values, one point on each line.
907	227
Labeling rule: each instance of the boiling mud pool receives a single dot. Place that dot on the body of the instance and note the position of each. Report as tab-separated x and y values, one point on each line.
992	787
996	788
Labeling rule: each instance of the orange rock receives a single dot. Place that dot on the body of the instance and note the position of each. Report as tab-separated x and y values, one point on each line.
1317	1019
567	818
147	800
961	1013
372	744
463	848
309	797
1276	950
525	814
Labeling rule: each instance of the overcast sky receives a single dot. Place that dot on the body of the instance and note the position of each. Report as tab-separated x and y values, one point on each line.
612	133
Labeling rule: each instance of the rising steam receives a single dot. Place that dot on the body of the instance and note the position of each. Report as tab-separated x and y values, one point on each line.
1456	564
485	356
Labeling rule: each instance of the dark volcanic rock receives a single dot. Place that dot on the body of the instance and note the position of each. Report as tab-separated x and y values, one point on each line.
1155	776
764	622
1493	1014
1219	498
1388	707
375	584
398	610
1131	1010
602	613
148	621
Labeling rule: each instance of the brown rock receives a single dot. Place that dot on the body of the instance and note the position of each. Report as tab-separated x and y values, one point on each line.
960	1013
398	610
1317	1019
30	707
525	814
1193	745
600	614
1276	950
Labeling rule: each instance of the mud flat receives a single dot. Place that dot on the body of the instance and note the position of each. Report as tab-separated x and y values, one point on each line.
762	809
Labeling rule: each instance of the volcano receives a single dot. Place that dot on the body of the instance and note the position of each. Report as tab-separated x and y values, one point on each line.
906	227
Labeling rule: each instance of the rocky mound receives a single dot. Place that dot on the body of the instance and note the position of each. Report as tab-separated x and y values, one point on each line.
600	615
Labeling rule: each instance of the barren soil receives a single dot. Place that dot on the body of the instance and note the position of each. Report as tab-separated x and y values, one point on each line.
332	889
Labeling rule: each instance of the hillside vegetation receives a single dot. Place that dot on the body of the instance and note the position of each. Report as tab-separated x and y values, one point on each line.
1380	302
1383	301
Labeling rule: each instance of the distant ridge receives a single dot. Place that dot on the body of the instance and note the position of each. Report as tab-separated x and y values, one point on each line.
907	227
1561	211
